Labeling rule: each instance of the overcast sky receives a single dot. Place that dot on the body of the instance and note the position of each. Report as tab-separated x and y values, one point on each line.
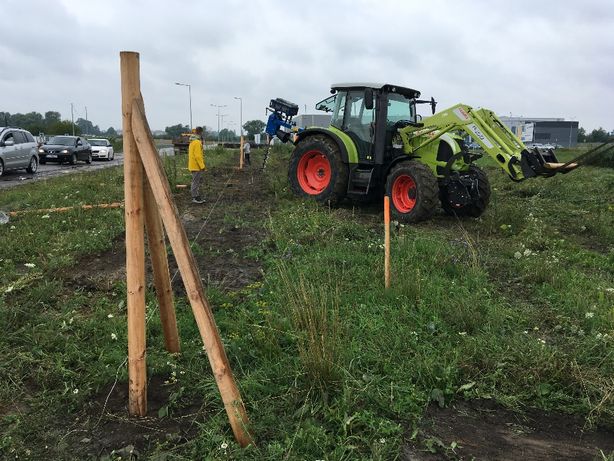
533	58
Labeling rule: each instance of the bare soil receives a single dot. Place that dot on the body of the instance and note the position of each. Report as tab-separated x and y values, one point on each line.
483	430
221	232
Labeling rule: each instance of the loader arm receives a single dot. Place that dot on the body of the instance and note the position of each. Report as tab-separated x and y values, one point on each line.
491	134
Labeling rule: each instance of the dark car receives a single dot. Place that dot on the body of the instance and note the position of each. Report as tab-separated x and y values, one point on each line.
65	149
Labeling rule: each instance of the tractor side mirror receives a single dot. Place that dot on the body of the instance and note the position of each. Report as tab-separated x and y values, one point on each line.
369	98
433	105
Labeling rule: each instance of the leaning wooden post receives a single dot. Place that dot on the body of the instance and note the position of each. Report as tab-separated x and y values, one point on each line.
161	273
386	241
191	278
135	241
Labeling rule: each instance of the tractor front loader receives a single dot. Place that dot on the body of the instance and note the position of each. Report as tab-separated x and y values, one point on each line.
376	144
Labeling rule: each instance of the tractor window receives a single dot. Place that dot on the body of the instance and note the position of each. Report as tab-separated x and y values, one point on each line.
399	108
339	111
327	105
359	120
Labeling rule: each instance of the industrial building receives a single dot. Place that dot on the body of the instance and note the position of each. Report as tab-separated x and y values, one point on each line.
555	131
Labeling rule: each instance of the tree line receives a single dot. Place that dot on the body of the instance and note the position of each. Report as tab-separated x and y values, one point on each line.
51	124
252	127
597	135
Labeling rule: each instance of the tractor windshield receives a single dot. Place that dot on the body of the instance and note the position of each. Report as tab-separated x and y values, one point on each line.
400	108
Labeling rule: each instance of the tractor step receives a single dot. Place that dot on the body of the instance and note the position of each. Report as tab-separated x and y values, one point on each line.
360	181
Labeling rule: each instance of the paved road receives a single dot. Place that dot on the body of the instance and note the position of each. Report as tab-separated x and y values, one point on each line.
50	170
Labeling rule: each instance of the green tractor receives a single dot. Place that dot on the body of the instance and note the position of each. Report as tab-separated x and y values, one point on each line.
377	144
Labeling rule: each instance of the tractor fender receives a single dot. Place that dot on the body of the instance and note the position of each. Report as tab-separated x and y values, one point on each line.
314	131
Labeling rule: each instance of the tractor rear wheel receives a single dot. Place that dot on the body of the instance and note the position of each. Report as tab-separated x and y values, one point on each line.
412	188
477	206
317	171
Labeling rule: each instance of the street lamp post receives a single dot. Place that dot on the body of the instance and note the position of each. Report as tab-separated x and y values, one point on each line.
218	119
240	131
190	95
222	117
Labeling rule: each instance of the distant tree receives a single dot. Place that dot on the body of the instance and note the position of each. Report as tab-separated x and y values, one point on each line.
87	127
597	135
52	117
254	127
227	135
62	127
5	119
176	130
581	135
110	132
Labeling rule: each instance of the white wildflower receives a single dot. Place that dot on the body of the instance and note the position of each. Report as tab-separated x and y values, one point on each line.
224	445
518	255
30	265
110	316
113	336
589	315
45	216
527	252
9	289
382	440
75	391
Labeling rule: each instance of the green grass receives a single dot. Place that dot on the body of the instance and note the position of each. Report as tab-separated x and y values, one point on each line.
517	306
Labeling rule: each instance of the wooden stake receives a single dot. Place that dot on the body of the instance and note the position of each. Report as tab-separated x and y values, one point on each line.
191	278
386	241
135	241
241	153
162	277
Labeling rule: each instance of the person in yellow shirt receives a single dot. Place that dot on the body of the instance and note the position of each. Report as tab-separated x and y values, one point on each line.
196	163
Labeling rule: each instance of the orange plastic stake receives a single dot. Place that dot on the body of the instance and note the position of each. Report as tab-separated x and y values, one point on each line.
386	241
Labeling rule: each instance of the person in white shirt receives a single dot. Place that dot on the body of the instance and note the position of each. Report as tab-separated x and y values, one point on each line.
246	152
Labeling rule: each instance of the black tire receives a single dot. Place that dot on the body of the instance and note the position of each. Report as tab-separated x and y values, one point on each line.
1	167
33	166
73	159
89	159
110	157
413	191
317	170
475	208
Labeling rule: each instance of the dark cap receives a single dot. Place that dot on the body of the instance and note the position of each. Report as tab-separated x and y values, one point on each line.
199	129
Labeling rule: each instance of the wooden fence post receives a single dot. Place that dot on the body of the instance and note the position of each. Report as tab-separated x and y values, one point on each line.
191	278
162	278
135	240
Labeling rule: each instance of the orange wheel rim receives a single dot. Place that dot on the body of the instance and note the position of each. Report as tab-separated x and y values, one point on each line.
314	172
404	193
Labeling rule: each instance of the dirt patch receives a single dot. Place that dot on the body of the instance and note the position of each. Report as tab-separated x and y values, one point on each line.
105	429
221	231
483	430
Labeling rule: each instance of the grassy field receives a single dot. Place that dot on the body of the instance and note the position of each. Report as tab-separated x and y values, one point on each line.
516	307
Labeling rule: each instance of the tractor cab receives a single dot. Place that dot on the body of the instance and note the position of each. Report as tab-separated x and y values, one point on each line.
369	114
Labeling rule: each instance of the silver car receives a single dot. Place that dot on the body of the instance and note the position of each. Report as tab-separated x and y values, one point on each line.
17	150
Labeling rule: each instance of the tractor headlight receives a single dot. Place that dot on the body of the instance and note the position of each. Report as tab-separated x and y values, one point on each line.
65	151
41	151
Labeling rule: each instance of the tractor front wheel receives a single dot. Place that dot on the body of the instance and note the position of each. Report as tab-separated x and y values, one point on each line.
317	171
481	196
412	188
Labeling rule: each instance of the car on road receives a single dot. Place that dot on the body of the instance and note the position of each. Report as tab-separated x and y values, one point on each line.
102	149
69	149
17	150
